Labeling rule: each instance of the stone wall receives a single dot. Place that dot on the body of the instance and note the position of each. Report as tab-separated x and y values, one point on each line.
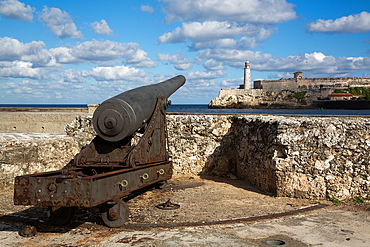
279	85
303	157
230	98
310	83
26	153
39	122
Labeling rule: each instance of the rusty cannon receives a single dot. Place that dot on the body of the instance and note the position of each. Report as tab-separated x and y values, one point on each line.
130	152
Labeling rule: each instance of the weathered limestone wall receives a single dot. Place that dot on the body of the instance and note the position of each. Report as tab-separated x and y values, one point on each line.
279	85
310	83
200	144
230	98
28	153
304	157
39	122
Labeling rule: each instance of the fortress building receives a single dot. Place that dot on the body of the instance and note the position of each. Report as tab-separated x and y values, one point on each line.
283	91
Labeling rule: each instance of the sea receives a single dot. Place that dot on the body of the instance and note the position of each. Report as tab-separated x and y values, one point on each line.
192	108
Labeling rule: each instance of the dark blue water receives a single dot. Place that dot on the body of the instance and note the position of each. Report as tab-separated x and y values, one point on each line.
204	109
45	105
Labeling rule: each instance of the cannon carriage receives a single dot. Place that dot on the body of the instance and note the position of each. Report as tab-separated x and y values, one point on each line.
109	168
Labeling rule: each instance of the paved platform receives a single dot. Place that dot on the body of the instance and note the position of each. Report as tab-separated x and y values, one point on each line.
201	200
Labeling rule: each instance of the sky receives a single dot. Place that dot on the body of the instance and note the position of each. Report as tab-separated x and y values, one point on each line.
86	51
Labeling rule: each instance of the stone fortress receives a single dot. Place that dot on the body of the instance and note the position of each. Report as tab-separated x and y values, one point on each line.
297	92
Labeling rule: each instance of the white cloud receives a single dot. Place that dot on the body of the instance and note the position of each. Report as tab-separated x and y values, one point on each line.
138	57
12	49
19	69
209	30
101	28
196	90
233	24
359	23
14	9
117	73
212	64
60	23
34	58
31	90
232	83
318	64
179	60
72	76
233	57
205	75
147	8
97	51
281	75
217	34
33	54
252	11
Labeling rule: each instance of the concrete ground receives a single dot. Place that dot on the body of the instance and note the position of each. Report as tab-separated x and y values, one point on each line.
213	212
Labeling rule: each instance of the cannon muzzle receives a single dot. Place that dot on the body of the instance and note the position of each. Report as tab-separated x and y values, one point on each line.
122	115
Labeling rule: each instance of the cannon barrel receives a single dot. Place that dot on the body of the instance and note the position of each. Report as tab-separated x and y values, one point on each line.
122	115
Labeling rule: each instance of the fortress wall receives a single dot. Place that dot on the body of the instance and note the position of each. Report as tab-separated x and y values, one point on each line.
39	122
311	83
227	92
279	85
307	157
316	83
303	157
359	80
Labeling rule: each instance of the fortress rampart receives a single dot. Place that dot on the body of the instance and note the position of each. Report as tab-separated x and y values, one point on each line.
281	93
310	83
302	157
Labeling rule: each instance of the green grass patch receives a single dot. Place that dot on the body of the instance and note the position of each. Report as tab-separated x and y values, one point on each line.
230	98
335	201
361	92
300	95
234	118
359	200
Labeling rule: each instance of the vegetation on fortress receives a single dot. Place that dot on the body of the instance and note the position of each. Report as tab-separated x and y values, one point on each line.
361	92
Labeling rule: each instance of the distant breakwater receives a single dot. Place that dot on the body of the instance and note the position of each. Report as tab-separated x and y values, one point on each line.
302	157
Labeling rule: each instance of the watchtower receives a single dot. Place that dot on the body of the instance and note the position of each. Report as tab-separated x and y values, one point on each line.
247	76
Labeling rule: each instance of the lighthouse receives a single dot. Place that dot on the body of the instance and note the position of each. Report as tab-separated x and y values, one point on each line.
247	76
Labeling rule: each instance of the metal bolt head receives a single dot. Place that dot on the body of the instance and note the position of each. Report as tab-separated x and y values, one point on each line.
52	187
113	215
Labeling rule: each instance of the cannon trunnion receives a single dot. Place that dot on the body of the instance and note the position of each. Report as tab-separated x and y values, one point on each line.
106	171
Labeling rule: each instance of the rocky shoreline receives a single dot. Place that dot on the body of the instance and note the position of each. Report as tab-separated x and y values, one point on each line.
259	99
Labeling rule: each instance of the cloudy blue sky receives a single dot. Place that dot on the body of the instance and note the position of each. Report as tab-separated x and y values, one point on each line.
87	51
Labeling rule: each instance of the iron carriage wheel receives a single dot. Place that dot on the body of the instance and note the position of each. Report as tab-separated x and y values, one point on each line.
115	215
